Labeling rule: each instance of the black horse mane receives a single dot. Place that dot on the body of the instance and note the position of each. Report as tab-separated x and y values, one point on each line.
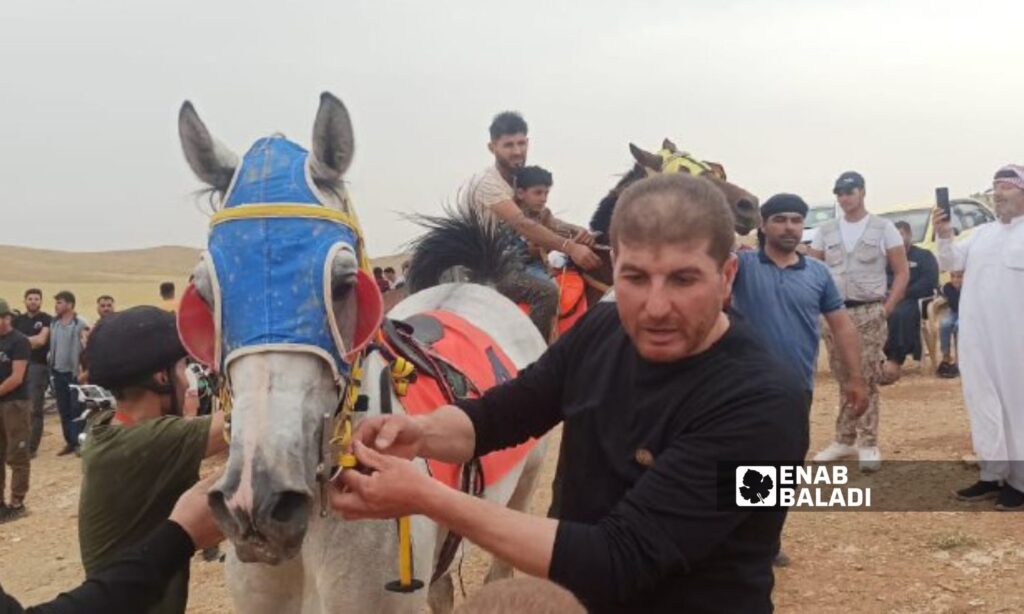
481	251
602	220
461	237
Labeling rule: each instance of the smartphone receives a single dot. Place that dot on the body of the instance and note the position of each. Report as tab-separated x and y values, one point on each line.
942	201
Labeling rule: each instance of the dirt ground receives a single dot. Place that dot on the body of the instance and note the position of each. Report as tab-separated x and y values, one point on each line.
842	561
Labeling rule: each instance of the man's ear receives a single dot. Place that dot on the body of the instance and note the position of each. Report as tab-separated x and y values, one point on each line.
729	269
160	377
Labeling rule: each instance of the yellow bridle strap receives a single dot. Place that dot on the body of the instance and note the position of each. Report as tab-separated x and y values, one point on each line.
342	437
246	212
285	210
674	162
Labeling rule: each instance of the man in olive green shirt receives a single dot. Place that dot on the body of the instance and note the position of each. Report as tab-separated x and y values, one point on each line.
138	460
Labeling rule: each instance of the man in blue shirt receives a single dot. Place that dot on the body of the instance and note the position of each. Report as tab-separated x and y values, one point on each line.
783	296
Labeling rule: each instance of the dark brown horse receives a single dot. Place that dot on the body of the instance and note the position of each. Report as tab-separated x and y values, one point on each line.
668	160
443	245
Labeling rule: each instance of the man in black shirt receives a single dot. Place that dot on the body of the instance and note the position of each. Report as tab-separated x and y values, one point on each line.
15	422
654	390
904	336
35	324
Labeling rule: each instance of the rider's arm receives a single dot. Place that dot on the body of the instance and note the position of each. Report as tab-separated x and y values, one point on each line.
530	229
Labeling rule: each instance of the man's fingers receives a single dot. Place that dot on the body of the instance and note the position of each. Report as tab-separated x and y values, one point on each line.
352	479
388	434
367	430
368	456
350	504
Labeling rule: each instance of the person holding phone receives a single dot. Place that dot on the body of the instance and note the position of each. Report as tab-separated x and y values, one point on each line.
991	347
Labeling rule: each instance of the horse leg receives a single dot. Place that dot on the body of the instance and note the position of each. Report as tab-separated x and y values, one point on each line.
520	501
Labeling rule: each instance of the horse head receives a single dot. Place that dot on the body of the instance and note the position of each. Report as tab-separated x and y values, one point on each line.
279	305
669	159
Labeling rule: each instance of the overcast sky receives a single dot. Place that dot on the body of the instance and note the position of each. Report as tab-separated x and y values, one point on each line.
786	94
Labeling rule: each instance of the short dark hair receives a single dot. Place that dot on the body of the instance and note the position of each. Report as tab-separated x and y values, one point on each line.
167	289
674	209
65	296
105	297
32	291
377	271
389	269
904	225
507	122
532	176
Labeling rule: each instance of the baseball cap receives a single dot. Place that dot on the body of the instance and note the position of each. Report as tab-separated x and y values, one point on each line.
848	181
5	308
127	347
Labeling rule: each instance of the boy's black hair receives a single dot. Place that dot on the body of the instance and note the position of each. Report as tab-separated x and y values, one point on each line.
532	176
65	296
507	122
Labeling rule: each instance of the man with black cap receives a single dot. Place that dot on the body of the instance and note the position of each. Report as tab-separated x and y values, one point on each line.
783	296
856	247
138	460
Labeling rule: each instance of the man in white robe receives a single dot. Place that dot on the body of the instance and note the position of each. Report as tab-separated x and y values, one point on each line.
991	339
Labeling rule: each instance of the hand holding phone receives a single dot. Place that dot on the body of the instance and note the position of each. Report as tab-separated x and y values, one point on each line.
942	201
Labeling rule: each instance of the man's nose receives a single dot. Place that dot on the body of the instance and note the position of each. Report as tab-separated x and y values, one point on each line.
657	305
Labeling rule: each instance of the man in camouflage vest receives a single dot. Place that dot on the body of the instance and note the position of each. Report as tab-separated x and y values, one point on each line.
856	248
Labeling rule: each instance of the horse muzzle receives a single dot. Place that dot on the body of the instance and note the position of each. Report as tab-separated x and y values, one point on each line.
271	529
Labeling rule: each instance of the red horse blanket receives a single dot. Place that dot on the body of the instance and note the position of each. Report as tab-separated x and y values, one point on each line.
479	359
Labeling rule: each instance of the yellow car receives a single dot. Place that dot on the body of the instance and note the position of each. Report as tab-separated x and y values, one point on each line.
968	214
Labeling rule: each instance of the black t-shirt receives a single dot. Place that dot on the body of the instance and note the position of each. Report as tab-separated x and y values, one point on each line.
640	526
30	326
952	294
14	346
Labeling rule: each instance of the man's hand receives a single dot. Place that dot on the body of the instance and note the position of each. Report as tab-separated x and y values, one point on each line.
192	513
583	237
856	396
943	227
394	487
582	256
397	435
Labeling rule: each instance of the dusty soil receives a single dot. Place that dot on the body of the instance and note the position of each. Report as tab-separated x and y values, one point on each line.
966	561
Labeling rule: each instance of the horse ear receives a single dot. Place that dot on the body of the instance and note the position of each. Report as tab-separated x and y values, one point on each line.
646	158
210	160
333	144
717	169
669	146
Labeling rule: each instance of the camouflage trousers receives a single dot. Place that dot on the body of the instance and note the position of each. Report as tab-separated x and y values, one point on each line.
872	329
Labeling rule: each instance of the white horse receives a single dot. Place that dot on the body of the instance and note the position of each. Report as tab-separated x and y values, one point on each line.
287	556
